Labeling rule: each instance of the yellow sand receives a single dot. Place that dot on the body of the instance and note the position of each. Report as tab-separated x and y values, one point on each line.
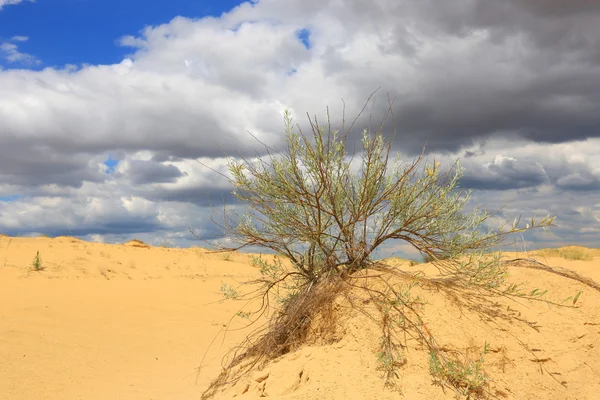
132	322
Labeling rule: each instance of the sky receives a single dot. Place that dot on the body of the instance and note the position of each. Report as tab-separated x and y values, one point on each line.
106	106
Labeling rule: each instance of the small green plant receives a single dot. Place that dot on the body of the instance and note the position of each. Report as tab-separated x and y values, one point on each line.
229	292
395	305
268	269
573	298
467	377
37	262
389	356
243	314
227	257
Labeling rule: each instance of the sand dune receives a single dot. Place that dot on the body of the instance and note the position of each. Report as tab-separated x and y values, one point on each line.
108	321
132	321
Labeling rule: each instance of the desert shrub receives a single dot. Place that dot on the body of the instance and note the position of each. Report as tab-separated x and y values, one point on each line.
312	205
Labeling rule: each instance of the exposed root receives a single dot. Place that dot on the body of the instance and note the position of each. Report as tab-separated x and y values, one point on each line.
533	264
309	316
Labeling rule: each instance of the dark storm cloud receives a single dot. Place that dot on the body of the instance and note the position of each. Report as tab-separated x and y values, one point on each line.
148	171
462	112
549	23
203	196
525	68
33	164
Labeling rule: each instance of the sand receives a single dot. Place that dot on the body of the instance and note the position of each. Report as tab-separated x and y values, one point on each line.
109	321
132	321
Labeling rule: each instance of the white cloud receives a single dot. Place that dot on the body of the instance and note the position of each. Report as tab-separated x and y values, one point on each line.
10	52
12	2
8	3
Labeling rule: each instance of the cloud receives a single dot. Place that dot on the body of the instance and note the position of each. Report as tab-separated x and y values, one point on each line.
112	218
31	165
10	52
143	172
79	215
9	2
571	166
512	86
184	180
579	181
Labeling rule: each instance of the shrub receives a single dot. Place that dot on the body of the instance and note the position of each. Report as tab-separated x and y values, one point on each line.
310	204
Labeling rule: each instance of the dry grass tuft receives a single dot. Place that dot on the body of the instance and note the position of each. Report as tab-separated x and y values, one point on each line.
573	253
532	264
307	317
137	243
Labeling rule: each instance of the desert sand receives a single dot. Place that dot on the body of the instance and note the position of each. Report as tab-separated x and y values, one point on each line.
131	321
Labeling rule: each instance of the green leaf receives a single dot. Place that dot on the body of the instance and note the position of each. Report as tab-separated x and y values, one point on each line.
577	297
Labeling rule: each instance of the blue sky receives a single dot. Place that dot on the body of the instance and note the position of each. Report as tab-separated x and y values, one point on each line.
64	32
108	150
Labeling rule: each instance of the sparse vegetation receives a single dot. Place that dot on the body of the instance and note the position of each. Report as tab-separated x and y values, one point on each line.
137	243
467	377
573	253
228	291
313	206
243	314
37	262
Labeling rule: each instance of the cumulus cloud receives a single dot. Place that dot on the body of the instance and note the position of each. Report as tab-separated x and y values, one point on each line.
512	86
102	211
